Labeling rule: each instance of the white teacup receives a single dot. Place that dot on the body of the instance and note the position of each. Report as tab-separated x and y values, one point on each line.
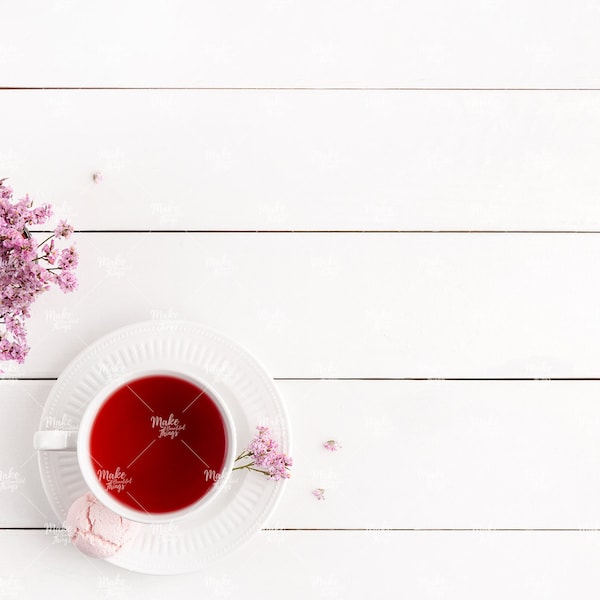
158	450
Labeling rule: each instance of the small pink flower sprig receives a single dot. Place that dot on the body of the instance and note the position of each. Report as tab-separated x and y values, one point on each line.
25	271
262	452
319	494
332	445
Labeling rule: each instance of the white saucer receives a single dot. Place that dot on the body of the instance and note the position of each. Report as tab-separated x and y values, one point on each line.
247	498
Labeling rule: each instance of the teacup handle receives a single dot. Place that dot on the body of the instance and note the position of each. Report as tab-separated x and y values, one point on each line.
55	440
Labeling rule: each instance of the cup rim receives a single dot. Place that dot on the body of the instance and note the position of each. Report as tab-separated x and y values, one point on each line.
87	467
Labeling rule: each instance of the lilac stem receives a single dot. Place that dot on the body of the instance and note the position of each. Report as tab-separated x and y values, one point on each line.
243	467
48	238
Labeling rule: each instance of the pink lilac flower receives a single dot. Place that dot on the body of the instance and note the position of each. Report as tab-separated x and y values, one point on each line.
262	452
278	467
68	258
13	350
67	282
6	192
63	229
41	214
319	494
24	271
50	252
332	445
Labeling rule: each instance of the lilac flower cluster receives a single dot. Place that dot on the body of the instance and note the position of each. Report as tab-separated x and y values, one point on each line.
24	271
262	452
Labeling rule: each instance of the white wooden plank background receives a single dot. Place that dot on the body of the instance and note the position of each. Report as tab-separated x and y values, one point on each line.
349	564
275	43
272	160
344	305
485	118
416	455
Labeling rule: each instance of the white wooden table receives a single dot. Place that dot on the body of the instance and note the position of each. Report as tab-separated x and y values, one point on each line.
396	207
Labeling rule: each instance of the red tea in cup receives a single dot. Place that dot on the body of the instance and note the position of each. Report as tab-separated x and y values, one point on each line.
158	444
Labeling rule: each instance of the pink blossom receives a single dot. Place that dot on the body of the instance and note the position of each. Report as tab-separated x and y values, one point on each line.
263	448
50	252
63	229
13	350
278	467
66	281
23	274
319	494
41	214
68	258
97	177
332	445
6	191
262	452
